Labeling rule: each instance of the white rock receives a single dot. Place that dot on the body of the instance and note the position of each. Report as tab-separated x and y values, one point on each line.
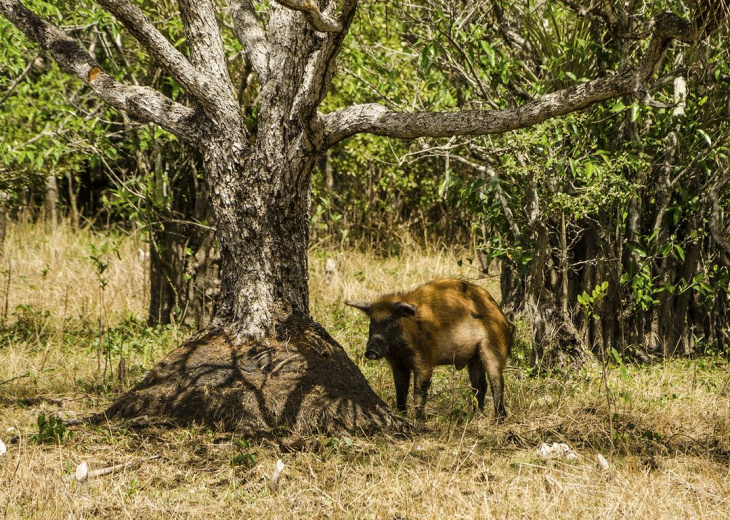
545	400
82	471
602	463
3	449
556	450
276	476
330	266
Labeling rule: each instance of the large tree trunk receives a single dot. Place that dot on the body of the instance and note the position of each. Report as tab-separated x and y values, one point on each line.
262	364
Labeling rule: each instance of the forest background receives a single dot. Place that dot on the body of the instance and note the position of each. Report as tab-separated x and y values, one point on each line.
604	232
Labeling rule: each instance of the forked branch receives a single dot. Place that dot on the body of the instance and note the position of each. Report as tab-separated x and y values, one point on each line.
195	82
206	51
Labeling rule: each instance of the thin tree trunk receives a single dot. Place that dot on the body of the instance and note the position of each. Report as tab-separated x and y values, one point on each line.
51	202
3	228
73	200
185	260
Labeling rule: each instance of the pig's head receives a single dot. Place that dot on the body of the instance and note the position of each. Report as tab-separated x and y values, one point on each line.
385	324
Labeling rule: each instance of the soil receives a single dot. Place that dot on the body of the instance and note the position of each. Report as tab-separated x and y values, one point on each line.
300	381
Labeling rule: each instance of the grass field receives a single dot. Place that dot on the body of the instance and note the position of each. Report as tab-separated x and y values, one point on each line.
67	321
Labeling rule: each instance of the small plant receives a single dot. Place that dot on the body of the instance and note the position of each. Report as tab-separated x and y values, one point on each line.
133	487
244	457
462	405
99	256
30	324
50	429
337	444
588	302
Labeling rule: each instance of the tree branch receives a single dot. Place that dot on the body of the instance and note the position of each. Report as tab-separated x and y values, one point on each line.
376	119
195	82
251	35
321	66
143	103
206	50
316	18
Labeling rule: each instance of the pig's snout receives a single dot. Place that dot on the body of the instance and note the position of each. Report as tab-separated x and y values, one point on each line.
377	348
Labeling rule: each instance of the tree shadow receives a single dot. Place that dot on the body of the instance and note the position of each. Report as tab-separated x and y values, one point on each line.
300	381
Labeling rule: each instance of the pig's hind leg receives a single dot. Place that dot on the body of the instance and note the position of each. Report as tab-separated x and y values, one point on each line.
478	380
494	364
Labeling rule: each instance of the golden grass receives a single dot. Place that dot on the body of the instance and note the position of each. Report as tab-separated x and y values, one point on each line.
54	272
668	456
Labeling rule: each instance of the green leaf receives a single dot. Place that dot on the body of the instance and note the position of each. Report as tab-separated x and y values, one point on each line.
680	251
704	134
634	111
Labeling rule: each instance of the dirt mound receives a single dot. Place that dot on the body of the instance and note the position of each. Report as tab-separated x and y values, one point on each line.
301	381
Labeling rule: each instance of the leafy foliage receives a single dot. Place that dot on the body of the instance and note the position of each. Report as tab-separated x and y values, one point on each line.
50	430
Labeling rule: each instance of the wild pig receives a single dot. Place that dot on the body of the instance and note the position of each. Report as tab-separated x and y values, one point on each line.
443	322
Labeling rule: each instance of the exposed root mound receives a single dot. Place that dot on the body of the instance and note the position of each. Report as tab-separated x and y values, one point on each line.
302	381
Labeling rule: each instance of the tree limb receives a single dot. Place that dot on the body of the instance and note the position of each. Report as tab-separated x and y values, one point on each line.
251	35
321	66
195	82
316	18
376	119
143	103
206	50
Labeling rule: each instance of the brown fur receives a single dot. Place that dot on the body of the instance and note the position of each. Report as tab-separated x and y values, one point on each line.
443	322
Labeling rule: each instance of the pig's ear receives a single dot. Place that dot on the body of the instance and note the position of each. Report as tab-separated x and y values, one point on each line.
403	309
360	304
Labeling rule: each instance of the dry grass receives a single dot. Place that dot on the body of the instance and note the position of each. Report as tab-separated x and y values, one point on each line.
668	456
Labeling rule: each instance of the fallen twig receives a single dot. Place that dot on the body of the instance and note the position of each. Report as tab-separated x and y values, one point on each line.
83	473
14	378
